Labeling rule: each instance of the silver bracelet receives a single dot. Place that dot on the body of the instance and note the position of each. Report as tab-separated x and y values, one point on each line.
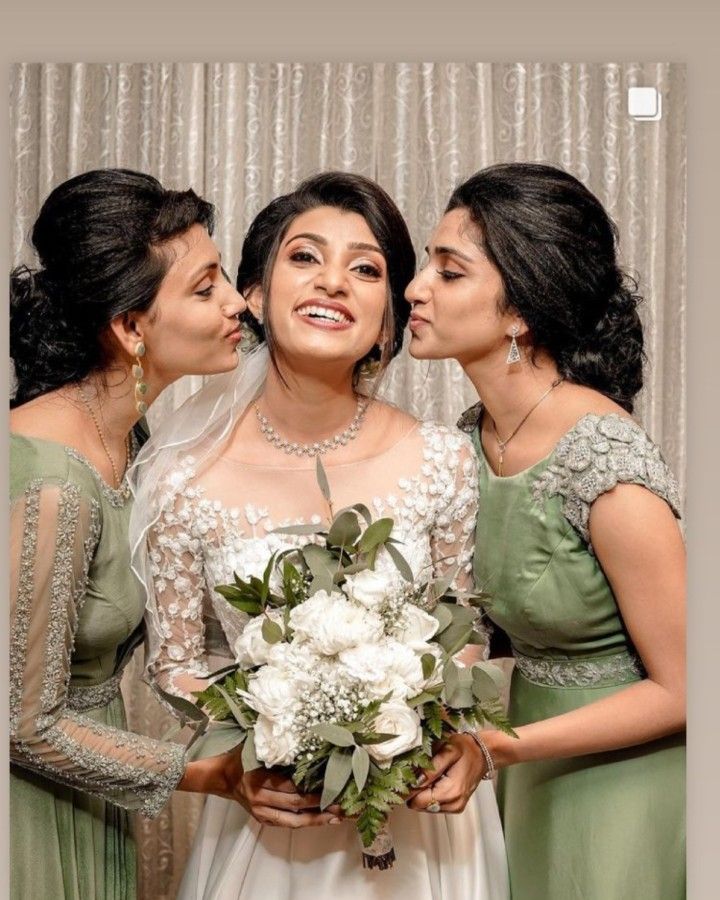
490	765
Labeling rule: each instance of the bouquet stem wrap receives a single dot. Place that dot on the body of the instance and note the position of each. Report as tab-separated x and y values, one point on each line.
381	853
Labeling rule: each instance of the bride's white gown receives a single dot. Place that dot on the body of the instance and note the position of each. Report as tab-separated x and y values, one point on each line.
219	521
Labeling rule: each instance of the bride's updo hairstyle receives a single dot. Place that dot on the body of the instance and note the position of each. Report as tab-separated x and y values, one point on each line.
99	239
351	193
555	248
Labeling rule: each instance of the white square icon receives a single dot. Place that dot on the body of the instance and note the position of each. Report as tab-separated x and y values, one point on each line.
644	103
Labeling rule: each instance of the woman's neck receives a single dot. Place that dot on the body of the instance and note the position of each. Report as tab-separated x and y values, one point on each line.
307	407
509	391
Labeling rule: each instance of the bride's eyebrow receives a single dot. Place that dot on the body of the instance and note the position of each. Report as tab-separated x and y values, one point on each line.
319	239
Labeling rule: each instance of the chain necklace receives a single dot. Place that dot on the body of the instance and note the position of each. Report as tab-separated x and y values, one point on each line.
99	430
502	444
317	449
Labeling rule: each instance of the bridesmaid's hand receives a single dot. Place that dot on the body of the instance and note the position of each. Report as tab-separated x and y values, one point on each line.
457	769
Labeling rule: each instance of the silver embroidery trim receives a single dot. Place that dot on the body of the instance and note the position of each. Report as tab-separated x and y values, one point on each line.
117	497
65	604
596	455
598	671
80	698
18	639
129	785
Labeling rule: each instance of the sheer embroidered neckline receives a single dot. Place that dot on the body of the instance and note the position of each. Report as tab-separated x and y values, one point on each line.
310	467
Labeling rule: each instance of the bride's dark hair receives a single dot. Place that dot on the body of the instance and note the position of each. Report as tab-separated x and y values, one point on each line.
556	249
351	193
99	240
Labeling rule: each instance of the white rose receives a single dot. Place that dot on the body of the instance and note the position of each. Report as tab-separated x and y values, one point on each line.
369	587
251	648
273	693
407	667
415	627
369	663
275	744
395	717
330	624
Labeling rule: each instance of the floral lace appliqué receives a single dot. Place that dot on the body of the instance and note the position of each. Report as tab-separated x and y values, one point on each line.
596	455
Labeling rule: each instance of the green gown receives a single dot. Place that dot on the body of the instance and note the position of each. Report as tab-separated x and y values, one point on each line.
76	615
609	826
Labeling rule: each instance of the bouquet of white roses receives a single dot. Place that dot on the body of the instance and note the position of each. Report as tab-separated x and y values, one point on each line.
345	677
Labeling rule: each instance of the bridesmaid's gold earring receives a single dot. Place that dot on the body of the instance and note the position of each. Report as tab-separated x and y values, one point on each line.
140	385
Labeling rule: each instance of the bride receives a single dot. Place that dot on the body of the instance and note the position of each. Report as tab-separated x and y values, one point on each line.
324	270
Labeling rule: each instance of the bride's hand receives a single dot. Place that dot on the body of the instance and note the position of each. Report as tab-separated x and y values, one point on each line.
272	799
457	769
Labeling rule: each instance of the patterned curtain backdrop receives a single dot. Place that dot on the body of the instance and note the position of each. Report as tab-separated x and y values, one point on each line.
242	133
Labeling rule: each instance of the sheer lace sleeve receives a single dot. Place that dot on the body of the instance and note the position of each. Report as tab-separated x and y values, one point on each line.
176	568
54	532
452	538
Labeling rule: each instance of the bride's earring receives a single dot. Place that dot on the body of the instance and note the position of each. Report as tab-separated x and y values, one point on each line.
514	351
138	374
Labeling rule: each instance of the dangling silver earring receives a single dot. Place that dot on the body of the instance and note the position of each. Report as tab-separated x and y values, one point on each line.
138	373
514	351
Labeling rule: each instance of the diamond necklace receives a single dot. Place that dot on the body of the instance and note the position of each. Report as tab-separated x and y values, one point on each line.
503	444
317	449
116	475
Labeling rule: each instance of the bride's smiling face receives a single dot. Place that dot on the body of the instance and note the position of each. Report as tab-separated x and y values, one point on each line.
328	289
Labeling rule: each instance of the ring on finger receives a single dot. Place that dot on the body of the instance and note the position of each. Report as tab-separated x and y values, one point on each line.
276	817
433	806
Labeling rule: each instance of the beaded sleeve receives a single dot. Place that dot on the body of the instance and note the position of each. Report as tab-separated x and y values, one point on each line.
596	455
55	529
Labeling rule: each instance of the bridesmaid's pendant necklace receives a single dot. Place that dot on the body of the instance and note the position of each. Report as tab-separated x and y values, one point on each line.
317	449
116	475
502	444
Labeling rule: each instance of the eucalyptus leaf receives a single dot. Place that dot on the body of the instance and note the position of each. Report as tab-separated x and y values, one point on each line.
235	709
360	767
322	479
299	529
375	737
428	662
271	631
188	711
484	685
375	535
401	563
363	510
337	772
221	737
444	617
249	757
424	697
334	734
345	530
440	585
454	638
353	569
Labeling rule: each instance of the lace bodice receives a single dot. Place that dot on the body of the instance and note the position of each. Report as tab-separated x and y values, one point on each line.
220	521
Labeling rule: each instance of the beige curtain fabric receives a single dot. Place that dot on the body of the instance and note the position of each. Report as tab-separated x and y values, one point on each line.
240	133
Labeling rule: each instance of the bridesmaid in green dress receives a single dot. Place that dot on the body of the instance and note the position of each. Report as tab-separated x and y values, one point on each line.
577	542
126	267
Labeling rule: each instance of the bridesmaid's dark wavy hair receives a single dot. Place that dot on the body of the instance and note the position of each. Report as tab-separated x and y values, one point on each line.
351	193
99	239
556	249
